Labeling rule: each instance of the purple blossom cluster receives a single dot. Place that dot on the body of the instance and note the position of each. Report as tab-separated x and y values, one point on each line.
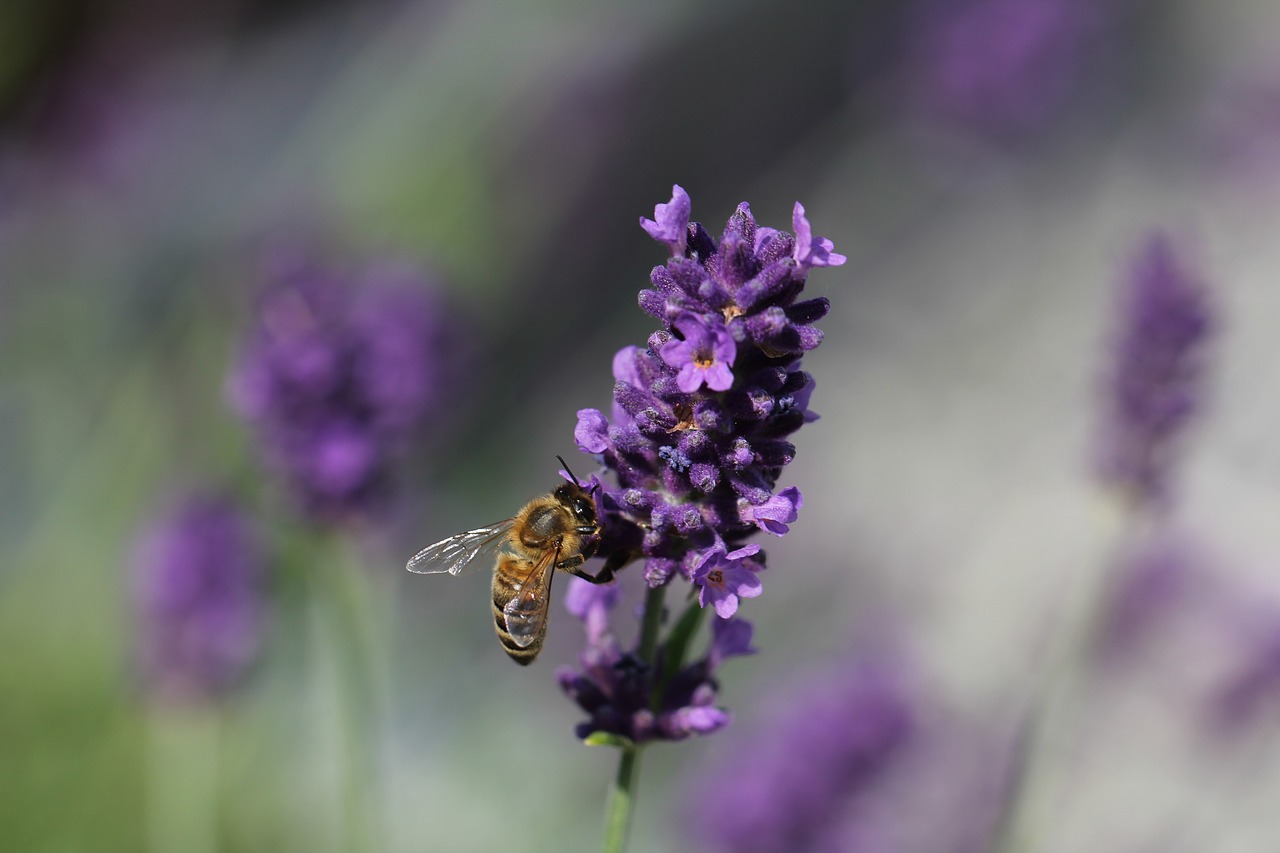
798	787
341	369
1001	67
199	588
1156	382
698	432
629	698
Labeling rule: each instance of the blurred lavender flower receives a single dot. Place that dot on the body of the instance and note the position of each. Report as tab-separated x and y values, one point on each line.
340	371
1152	581
1156	382
1240	128
698	432
799	785
1252	689
1001	68
627	697
199	585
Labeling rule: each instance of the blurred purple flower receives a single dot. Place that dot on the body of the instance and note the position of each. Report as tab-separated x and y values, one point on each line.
340	370
199	588
1250	692
1156	382
700	420
1240	126
1001	67
798	784
627	697
1151	582
591	603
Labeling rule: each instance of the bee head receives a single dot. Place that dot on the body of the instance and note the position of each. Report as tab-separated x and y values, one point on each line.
577	500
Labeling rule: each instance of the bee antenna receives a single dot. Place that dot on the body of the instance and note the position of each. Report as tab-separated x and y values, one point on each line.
567	471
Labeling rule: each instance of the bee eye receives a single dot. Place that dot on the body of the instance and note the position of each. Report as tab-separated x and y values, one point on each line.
581	508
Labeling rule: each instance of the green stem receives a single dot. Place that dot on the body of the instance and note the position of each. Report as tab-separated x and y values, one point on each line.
652	622
617	826
348	631
1054	707
182	783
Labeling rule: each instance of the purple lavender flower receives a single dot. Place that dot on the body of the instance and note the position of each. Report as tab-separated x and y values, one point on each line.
724	578
803	777
199	591
1001	67
341	369
1152	582
672	221
1252	689
626	697
1156	382
812	251
703	354
698	433
776	514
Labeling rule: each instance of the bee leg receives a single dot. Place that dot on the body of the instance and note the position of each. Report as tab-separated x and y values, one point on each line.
616	560
605	575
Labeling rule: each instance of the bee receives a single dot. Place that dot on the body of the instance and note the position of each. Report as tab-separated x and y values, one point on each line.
560	530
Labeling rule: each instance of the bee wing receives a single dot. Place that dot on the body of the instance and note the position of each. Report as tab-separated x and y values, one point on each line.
453	554
526	612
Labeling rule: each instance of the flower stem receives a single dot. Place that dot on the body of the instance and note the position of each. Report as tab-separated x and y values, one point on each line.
345	598
617	826
182	783
1030	794
652	622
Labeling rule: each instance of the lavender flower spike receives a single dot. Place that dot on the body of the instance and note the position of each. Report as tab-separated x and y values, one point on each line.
199	592
696	438
341	369
702	416
1156	382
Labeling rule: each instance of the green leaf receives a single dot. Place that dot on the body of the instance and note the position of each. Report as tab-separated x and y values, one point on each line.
678	641
609	739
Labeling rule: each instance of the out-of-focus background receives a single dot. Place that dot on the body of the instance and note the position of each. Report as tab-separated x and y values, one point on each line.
990	167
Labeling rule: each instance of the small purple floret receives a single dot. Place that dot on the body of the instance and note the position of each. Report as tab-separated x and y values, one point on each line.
705	354
672	221
724	578
812	251
592	432
774	515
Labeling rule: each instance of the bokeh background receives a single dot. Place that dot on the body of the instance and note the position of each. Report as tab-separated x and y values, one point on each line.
990	167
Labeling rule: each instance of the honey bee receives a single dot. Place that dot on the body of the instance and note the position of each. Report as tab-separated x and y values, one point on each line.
559	530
